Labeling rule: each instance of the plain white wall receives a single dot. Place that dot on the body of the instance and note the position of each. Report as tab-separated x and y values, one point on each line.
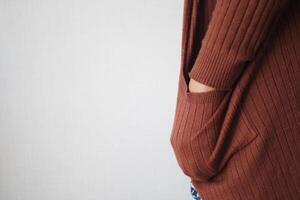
87	99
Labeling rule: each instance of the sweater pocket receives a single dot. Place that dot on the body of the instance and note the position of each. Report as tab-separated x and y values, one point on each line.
207	130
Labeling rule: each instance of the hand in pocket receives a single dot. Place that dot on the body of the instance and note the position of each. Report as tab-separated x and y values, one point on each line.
208	129
197	87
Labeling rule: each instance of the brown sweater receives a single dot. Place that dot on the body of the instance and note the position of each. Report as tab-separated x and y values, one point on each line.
241	141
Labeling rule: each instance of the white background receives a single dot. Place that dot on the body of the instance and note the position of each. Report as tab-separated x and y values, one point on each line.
88	91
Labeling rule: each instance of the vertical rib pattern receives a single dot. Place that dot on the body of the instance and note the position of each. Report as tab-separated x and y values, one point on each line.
236	30
240	141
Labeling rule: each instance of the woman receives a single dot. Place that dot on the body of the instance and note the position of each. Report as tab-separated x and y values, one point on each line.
236	128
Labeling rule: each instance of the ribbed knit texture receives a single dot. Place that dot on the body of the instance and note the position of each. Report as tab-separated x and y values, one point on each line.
242	140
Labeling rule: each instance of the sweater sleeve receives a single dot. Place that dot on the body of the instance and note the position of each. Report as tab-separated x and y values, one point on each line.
235	31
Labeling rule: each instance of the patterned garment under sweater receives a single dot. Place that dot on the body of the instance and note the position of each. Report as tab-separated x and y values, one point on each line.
195	195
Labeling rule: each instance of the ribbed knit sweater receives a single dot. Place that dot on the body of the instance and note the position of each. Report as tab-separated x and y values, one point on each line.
242	140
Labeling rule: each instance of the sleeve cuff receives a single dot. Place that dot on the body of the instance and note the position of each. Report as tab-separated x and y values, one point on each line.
217	69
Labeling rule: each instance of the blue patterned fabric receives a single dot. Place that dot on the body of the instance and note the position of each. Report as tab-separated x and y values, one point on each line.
195	195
